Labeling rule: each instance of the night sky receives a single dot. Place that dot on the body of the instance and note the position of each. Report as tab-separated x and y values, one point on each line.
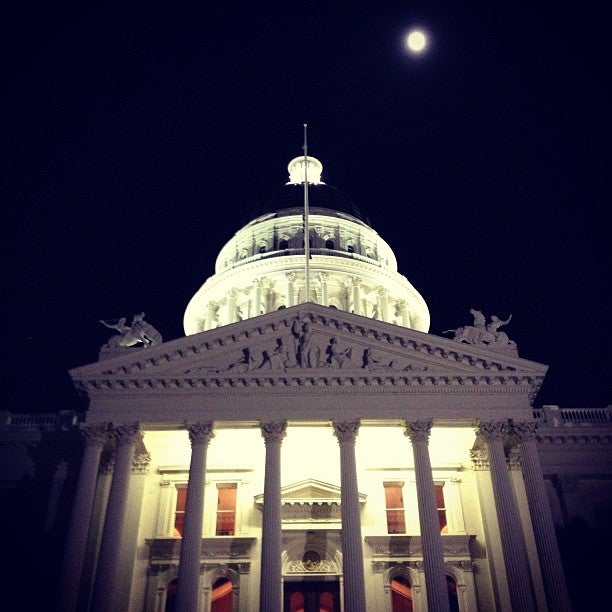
140	138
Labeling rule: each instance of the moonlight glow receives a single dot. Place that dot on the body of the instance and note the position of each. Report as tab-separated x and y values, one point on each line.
416	41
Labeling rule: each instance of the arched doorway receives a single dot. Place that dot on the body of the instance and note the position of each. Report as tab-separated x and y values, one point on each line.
453	599
171	590
312	596
222	596
401	594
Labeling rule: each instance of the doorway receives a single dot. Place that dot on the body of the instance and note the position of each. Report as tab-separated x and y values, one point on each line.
312	596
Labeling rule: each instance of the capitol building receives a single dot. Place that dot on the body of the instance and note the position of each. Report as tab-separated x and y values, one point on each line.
308	445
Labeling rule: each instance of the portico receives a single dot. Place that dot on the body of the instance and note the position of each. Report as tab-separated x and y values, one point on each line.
308	451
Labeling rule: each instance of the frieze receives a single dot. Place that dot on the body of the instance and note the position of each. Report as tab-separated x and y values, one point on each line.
212	548
159	568
454	546
573	441
238	568
383	566
323	566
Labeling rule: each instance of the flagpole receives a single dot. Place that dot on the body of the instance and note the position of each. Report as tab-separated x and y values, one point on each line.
306	212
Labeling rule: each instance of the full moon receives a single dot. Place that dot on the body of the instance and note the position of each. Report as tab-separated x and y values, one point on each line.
416	41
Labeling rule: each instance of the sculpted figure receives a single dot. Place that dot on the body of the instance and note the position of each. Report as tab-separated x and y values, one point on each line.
244	363
140	332
308	353
479	318
496	323
493	327
371	362
277	358
335	356
481	334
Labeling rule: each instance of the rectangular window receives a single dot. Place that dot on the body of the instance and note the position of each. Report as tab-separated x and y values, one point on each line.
394	502
226	509
441	507
179	511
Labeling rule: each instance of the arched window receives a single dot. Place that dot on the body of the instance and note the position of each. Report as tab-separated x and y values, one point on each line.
401	594
222	596
326	602
283	244
171	590
453	600
262	248
350	248
296	603
330	244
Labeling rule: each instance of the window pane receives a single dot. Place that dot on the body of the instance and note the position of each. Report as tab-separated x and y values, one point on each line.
394	501
440	496
179	511
395	521
440	503
226	509
442	521
227	497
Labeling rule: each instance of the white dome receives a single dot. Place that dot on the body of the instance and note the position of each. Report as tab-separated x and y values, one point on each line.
263	267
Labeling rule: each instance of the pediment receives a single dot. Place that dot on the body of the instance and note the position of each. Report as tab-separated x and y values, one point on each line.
307	492
310	492
308	341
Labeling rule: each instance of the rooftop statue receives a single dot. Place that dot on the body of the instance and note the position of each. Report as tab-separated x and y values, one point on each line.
483	334
139	332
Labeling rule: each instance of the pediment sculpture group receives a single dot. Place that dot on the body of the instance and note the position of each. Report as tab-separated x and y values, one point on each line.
311	351
482	333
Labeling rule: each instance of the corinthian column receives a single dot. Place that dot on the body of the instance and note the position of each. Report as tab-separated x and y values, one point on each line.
352	549
187	597
431	540
541	518
271	580
107	574
76	540
510	529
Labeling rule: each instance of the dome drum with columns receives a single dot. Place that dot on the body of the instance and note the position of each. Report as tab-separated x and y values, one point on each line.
262	268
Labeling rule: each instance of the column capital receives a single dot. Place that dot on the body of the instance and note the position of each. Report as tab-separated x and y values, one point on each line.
525	431
346	431
127	434
492	431
418	431
480	459
355	281
95	435
291	276
273	431
200	433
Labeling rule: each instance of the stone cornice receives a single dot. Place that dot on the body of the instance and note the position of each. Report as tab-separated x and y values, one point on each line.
574	440
455	546
318	377
212	548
